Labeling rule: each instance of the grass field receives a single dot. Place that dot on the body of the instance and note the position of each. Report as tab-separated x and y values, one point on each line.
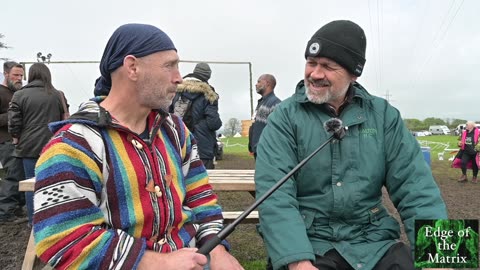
236	146
437	144
446	144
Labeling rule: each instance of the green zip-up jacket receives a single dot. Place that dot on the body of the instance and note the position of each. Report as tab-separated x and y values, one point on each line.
335	200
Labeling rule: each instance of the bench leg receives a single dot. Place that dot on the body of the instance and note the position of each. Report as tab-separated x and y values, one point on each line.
29	259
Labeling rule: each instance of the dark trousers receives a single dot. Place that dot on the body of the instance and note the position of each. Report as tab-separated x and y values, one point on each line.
29	169
465	159
397	257
208	163
10	197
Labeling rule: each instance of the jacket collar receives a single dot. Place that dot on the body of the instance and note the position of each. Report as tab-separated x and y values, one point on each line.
35	83
91	113
196	86
271	94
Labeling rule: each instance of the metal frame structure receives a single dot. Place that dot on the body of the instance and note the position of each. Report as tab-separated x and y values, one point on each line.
182	61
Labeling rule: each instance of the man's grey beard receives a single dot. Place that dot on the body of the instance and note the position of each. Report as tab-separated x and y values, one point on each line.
317	99
327	97
13	86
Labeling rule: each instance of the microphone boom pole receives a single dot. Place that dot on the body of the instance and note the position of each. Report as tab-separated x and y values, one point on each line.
339	132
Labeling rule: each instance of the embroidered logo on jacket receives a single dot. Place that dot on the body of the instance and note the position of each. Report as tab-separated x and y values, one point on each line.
368	132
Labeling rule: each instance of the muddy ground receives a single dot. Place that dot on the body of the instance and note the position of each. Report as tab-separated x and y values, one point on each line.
462	199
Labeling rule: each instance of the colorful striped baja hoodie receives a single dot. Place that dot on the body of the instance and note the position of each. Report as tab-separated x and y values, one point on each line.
103	195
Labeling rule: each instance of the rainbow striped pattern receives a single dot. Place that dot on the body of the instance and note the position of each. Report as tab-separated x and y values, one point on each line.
103	195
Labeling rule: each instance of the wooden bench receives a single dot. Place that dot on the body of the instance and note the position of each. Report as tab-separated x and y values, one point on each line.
221	180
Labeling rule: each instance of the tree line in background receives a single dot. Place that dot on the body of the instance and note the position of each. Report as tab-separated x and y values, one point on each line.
417	125
2	46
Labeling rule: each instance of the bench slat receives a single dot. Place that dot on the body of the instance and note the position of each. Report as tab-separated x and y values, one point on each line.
219	182
27	185
230	216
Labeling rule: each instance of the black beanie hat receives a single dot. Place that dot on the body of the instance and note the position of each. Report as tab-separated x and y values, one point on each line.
342	41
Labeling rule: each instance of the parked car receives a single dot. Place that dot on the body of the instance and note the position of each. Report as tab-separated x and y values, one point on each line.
439	130
426	132
418	134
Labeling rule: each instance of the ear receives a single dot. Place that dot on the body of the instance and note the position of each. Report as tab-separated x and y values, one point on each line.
130	64
354	79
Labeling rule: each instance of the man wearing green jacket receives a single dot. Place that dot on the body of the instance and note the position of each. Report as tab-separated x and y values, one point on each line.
329	215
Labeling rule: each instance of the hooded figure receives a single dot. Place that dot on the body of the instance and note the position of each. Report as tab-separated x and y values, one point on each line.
201	114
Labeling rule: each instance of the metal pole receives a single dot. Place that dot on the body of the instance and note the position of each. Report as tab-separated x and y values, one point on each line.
251	89
338	133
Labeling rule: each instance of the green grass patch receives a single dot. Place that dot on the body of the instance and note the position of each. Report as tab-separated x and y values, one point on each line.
438	143
254	265
236	146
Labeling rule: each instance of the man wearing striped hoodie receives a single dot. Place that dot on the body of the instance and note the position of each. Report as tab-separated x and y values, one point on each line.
120	185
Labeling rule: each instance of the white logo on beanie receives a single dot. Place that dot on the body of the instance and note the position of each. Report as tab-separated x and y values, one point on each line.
314	48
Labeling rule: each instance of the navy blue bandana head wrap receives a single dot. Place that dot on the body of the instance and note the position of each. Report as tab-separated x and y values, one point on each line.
138	40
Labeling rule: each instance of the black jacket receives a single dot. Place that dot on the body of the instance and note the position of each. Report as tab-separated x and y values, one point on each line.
5	98
31	110
204	113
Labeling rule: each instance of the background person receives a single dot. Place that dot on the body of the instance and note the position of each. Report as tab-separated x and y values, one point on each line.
468	143
203	118
330	213
11	200
120	184
265	106
32	108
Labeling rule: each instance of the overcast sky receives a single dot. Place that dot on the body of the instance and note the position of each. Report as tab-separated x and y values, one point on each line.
421	55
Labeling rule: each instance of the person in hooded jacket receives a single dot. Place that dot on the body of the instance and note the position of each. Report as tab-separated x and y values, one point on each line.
204	119
32	108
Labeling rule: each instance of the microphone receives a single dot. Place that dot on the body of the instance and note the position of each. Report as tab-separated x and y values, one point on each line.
333	125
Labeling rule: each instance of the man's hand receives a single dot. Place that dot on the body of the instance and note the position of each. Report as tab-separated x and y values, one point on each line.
183	259
302	265
220	259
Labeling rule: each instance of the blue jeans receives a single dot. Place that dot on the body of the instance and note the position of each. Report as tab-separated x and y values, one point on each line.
29	168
